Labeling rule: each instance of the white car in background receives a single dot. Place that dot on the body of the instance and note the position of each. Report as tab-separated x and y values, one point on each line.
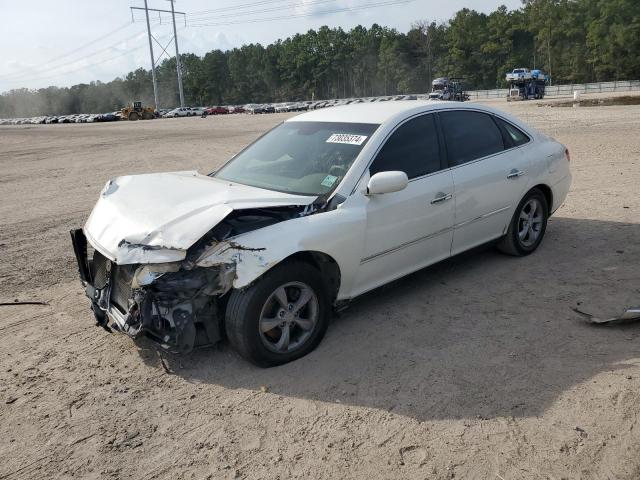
281	107
328	205
180	112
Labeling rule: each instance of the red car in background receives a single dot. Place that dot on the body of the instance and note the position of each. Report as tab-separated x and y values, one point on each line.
216	110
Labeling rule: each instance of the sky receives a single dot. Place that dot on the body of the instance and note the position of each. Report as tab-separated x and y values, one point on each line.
63	43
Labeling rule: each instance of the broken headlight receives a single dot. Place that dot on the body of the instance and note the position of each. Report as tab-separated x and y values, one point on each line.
147	274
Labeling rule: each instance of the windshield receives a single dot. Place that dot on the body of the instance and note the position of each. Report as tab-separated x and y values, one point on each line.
306	158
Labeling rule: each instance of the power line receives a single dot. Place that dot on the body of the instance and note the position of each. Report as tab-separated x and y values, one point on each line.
84	67
71	52
206	13
195	22
11	77
92	42
235	7
286	17
286	6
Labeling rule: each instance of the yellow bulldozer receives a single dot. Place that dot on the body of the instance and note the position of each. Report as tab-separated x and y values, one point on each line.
138	112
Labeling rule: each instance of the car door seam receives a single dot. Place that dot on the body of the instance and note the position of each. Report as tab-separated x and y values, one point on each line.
481	217
404	245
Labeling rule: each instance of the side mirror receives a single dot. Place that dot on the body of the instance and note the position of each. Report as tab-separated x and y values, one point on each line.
387	182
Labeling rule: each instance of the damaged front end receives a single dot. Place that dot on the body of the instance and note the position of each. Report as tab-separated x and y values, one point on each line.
175	304
178	304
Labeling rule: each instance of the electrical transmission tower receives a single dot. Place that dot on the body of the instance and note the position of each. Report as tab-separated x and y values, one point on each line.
164	49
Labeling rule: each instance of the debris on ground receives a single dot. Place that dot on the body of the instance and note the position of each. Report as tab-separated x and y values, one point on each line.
632	313
16	302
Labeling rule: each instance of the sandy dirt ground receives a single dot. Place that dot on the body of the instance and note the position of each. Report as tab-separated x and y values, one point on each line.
476	368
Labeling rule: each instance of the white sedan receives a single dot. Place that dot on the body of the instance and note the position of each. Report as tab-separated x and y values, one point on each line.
325	207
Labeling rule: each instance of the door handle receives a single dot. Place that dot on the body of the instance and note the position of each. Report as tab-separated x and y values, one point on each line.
515	173
442	197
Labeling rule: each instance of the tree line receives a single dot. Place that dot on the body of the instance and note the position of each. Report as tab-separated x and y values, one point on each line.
575	41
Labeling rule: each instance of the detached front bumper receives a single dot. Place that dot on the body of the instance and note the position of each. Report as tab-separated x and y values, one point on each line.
178	310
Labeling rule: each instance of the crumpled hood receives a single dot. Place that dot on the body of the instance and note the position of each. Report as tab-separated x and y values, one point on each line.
155	218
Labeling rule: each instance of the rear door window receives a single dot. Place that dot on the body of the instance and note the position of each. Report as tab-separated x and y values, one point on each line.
470	135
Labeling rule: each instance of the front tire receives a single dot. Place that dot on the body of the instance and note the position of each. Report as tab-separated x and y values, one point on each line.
281	317
528	225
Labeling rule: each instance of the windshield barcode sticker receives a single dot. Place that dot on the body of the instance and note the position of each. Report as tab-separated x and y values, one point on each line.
328	181
347	138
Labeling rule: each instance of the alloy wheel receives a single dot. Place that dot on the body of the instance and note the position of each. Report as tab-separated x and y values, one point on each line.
530	222
288	317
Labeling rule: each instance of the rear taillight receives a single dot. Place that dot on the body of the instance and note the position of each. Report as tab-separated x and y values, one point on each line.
567	154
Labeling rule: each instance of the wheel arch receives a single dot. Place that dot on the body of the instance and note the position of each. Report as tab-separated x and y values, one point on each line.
548	195
326	265
251	269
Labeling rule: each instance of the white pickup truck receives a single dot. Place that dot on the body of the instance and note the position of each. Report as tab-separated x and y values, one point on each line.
519	74
181	112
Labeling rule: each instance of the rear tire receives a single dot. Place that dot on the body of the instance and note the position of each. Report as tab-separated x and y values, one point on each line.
133	116
147	116
528	225
257	316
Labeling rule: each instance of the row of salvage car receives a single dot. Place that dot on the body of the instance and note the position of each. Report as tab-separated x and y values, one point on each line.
251	108
315	105
75	118
283	107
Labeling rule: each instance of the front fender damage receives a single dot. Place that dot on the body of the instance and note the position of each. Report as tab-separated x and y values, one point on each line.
253	255
249	262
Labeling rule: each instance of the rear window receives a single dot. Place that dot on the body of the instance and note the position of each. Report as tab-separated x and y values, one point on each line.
470	135
517	136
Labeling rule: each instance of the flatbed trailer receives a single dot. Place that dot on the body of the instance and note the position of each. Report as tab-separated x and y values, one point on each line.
526	85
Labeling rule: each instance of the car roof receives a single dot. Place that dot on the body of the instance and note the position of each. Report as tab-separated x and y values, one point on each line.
394	112
378	112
